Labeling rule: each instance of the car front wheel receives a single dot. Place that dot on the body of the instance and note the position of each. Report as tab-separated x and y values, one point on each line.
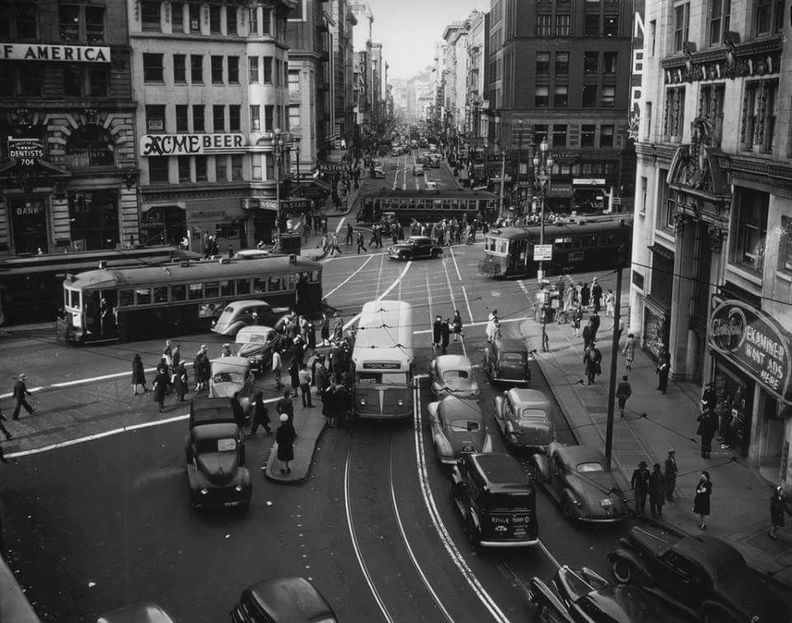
622	570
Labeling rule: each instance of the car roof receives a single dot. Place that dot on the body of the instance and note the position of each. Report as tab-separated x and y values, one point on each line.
244	304
204	410
574	455
292	599
453	362
500	471
145	612
256	329
420	238
511	344
453	406
216	430
527	397
232	364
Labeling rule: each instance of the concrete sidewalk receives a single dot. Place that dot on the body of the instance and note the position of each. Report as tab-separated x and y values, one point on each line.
653	423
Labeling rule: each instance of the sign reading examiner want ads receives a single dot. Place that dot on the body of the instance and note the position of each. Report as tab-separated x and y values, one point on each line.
754	342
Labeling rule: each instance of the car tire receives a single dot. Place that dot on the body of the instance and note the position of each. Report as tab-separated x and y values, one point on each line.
435	254
622	570
403	257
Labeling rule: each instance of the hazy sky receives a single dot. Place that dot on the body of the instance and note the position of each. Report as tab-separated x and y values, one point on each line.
408	29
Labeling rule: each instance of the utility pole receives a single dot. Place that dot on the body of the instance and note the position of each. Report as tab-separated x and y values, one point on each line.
620	261
502	175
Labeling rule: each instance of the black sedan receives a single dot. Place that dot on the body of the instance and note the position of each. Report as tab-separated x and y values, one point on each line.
414	247
282	600
584	596
506	361
705	575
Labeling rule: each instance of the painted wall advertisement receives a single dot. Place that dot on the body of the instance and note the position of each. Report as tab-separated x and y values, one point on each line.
754	342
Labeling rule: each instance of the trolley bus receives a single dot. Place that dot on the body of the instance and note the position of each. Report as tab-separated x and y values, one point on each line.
382	361
587	244
127	303
431	205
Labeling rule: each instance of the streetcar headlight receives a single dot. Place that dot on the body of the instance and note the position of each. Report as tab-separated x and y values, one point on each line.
363	402
400	402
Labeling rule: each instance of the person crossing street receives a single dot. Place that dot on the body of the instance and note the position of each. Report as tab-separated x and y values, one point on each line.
20	393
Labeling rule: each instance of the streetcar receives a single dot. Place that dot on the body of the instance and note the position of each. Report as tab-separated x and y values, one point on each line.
120	304
31	287
587	244
383	361
428	205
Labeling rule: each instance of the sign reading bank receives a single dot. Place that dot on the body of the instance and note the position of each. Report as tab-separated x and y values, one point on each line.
754	342
58	53
190	144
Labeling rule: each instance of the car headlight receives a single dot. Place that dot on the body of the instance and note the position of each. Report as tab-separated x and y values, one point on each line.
400	402
363	402
238	488
204	491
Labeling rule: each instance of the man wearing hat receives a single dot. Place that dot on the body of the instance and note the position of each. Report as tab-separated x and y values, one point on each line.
640	486
20	391
671	471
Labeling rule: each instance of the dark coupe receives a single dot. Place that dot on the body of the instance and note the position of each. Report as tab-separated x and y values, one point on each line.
413	248
506	361
705	575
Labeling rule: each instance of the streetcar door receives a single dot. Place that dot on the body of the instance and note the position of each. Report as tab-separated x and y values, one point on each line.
516	259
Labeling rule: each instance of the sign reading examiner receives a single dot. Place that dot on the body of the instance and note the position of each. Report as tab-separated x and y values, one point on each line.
62	53
190	144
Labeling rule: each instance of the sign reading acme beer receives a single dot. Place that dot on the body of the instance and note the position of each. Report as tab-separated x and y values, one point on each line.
754	342
190	144
57	53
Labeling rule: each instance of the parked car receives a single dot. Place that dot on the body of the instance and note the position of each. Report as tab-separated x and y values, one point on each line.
215	456
506	361
417	170
496	500
430	185
414	247
524	418
434	161
705	575
458	426
256	344
282	600
452	375
584	596
231	377
578	479
240	314
377	173
137	613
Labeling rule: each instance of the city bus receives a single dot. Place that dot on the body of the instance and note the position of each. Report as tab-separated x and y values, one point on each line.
120	304
584	245
383	360
428	205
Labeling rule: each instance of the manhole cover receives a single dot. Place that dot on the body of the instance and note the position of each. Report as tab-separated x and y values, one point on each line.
764	543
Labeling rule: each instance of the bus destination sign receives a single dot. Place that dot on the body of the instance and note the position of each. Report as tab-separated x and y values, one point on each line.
381	365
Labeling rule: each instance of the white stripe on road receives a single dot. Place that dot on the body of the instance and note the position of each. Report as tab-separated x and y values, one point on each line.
362	266
384	294
479	324
340	224
464	290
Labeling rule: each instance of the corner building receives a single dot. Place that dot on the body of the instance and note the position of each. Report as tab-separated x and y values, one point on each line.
211	79
712	249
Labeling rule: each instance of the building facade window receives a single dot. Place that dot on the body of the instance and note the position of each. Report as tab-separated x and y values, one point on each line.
674	114
591	25
665	206
93	218
199	119
542	96
200	168
177	17
236	168
254	26
561	96
233	69
608	97
269	118
562	63
253	69
681	24
194	10
662	276
758	121
542	63
590	62
544	25
610	62
711	109
158	169
255	118
563	25
643	190
155	119
151	15
607	133
84	23
19	20
785	245
81	81
152	68
231	20
267	62
294	82
234	118
185	174
182	118
221	168
218	118
559	135
294	117
768	16
750	229
719	20
179	68
541	133
587	133
196	68
610	26
217	69
215	19
589	95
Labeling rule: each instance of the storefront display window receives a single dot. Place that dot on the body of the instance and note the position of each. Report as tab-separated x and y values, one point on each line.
93	216
29	224
163	225
733	404
655	331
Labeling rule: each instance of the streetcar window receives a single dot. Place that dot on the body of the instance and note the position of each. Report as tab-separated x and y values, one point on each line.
179	293
126	298
274	284
259	285
143	296
161	294
314	276
227	288
195	291
243	286
577	243
489	244
502	246
75	299
563	243
289	282
211	289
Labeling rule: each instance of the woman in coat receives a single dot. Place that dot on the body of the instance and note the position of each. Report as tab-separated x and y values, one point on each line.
294	373
628	350
701	503
138	374
160	389
180	381
778	507
285	439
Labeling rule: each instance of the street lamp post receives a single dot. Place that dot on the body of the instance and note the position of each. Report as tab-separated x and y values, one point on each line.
297	154
519	157
278	147
543	168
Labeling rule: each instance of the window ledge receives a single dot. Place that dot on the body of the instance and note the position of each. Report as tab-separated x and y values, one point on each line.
784	276
751	277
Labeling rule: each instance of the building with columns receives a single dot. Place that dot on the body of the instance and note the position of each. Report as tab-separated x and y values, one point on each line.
711	275
342	29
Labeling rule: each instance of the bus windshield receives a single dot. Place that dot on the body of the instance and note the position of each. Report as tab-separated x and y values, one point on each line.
383	378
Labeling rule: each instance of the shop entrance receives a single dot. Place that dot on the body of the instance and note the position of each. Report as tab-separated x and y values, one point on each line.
93	216
29	224
163	225
734	403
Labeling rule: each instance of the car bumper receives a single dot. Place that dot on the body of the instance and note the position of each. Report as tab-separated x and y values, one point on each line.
614	519
521	543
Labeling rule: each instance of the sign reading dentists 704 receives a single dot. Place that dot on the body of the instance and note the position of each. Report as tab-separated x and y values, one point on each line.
754	342
190	144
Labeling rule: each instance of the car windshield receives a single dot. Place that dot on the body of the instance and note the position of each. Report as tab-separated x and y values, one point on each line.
228	377
532	415
216	445
455	375
461	426
516	357
584	468
593	611
257	338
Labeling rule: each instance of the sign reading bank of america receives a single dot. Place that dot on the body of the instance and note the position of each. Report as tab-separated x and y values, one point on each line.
190	144
58	53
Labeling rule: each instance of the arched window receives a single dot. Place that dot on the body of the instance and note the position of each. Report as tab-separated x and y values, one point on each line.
90	146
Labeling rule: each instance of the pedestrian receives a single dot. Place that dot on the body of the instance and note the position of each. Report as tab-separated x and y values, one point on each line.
338	327
577	318
706	429
595	325
610	304
628	350
437	332
596	294
671	471
640	486
360	242
350	232
623	392
167	352
445	336
456	326
329	405
321	377
160	389
179	381
701	502
175	356
19	393
709	398
305	385
591	363
334	244
657	491
226	350
324	329
3	428
663	368
285	439
585	295
588	335
294	375
138	374
778	506
285	405
260	415
277	365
